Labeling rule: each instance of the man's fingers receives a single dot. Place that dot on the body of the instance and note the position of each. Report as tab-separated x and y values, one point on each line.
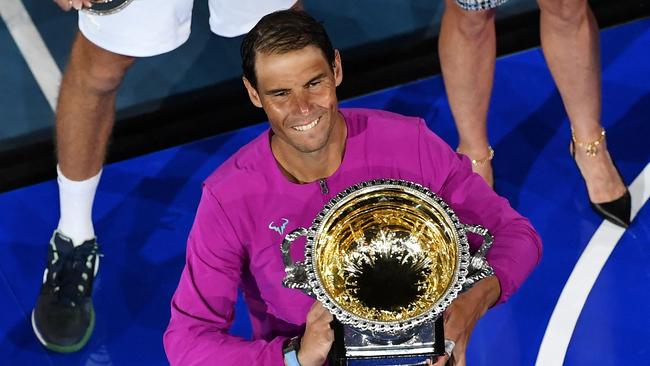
77	4
317	307
68	5
326	316
439	362
329	335
459	359
318	313
324	323
315	312
65	5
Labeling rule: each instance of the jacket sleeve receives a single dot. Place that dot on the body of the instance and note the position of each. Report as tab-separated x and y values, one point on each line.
517	247
202	308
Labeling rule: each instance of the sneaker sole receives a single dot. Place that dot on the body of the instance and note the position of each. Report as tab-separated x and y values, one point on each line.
66	349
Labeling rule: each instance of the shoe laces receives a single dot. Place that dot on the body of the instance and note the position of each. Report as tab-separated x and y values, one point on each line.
71	273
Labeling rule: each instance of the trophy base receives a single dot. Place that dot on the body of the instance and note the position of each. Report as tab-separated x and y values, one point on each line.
419	360
352	348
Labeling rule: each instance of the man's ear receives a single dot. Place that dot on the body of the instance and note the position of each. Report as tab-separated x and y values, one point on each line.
252	93
338	69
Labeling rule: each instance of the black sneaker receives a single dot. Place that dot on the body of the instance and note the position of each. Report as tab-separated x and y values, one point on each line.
64	318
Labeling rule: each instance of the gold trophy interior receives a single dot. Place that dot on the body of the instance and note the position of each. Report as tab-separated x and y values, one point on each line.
385	255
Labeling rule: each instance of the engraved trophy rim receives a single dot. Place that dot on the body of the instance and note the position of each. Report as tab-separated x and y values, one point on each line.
106	7
376	326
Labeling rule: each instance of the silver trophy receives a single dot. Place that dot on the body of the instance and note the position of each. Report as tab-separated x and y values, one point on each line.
386	258
106	7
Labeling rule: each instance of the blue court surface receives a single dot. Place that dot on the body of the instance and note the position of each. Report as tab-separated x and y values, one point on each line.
586	304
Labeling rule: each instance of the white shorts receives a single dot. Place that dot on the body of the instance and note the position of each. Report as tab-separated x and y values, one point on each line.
151	27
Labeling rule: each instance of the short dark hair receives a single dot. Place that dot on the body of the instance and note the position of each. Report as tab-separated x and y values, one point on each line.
281	32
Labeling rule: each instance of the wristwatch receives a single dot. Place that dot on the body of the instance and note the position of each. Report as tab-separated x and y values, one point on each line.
290	351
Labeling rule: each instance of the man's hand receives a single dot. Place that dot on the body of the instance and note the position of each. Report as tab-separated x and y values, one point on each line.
463	313
318	337
68	5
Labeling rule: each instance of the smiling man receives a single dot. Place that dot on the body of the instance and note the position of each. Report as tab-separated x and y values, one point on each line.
297	90
282	179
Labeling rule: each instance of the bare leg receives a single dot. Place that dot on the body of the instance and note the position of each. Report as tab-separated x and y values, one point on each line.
86	108
467	49
571	47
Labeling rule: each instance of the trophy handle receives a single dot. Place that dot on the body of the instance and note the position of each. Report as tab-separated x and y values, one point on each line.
296	272
478	268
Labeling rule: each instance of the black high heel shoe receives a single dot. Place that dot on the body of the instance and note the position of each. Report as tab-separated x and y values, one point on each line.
617	211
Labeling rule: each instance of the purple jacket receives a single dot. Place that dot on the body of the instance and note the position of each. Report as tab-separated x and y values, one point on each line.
248	206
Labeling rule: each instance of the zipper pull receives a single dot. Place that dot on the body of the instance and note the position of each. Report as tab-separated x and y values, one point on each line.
323	186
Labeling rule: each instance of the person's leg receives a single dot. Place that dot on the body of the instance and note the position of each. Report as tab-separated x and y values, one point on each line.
63	318
102	52
84	121
467	48
86	107
571	47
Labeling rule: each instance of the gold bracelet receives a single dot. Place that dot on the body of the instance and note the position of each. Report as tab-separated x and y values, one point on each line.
591	147
479	162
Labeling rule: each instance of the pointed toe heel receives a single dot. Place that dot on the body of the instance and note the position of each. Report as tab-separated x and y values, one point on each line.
616	211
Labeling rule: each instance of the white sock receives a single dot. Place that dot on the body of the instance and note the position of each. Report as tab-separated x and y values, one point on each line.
76	202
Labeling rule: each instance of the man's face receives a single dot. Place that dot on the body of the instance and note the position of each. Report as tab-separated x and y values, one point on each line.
297	90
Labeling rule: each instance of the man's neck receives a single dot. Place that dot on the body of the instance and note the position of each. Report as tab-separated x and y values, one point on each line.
309	167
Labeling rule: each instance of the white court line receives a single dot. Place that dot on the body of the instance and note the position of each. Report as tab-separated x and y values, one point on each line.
576	290
31	45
